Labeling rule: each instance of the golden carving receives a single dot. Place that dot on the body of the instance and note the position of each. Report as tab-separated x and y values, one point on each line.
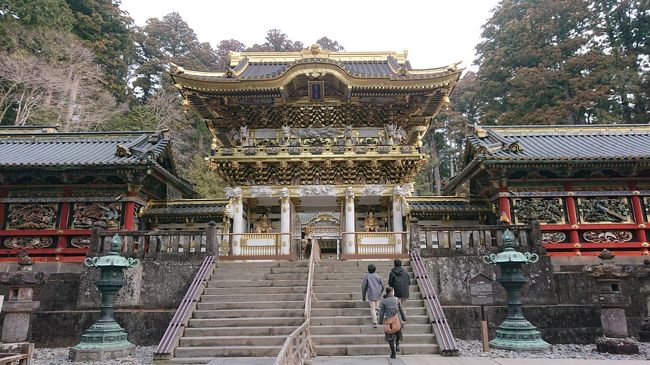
370	223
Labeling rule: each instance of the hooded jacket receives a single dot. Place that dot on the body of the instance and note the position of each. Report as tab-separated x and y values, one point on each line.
400	280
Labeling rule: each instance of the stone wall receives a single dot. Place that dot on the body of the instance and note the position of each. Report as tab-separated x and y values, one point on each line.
558	299
145	305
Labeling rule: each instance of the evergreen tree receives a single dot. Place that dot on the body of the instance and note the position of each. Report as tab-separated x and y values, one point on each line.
108	32
330	45
164	41
539	65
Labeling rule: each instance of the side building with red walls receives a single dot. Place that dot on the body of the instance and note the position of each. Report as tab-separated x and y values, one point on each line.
588	186
54	186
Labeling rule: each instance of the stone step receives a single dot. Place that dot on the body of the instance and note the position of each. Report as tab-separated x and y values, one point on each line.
256	290
247	313
262	304
382	271
241	331
411	303
216	341
345	282
254	283
371	339
324	288
378	349
227	351
352	276
361	320
366	329
358	312
355	296
205	298
226	264
231	360
246	322
361	263
260	276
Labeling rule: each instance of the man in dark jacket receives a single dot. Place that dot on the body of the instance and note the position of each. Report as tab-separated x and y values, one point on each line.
400	280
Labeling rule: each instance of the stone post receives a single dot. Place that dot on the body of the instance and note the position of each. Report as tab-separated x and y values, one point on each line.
644	279
96	240
612	304
415	233
285	221
211	241
19	305
349	221
398	195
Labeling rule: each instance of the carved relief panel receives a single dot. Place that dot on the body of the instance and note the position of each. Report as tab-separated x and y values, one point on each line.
23	243
84	215
32	216
544	210
604	210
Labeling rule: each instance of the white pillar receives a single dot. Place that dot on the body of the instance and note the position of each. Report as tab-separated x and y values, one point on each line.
237	221
397	217
285	222
349	221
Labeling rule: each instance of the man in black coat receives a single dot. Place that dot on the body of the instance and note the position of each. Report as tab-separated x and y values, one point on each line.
400	280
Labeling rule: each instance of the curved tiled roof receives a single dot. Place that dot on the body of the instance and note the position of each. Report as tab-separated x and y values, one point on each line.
437	206
80	149
563	142
174	208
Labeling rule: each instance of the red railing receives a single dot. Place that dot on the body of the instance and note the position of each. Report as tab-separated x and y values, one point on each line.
59	249
445	338
569	240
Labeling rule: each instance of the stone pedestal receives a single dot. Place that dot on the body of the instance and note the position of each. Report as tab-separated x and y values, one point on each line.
644	278
18	314
19	306
612	304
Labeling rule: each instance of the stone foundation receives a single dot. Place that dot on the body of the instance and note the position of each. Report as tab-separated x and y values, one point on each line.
619	346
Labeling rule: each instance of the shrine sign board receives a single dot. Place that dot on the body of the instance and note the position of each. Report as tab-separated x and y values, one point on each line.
481	290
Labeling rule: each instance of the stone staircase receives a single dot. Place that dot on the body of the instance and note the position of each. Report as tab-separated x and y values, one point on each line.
246	310
341	322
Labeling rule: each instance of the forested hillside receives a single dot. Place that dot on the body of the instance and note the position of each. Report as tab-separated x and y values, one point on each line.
85	65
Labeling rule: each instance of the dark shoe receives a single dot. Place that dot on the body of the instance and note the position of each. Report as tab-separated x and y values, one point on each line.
393	356
397	349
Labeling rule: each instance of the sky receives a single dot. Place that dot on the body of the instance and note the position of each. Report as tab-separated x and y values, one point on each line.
435	33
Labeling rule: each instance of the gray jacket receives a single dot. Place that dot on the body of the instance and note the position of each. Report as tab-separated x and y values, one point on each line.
372	287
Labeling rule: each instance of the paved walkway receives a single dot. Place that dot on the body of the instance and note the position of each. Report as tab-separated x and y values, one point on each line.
440	360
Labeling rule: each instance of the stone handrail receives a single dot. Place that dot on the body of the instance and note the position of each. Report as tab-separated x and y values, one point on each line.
453	240
172	335
155	243
299	346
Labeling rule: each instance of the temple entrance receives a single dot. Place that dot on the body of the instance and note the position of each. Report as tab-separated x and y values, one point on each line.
324	227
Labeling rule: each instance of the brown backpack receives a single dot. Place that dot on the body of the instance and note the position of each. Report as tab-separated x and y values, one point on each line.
392	325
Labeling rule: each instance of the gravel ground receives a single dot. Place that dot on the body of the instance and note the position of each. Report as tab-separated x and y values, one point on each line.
562	351
59	356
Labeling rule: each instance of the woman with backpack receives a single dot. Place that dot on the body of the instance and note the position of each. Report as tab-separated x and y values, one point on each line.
393	318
